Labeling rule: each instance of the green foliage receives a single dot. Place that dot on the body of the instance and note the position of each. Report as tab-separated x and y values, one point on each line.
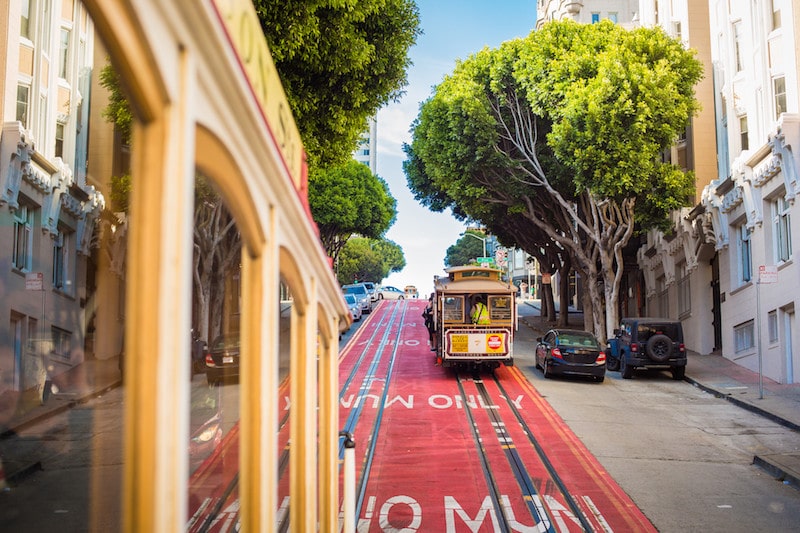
339	61
368	260
348	199
391	255
596	104
118	112
120	192
465	250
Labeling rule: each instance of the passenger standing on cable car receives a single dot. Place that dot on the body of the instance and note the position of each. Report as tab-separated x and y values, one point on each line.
427	314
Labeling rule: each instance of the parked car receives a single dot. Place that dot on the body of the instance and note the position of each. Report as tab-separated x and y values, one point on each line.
222	359
391	293
354	305
362	295
571	352
372	290
647	343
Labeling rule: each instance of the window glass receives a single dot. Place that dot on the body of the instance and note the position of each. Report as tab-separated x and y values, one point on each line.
214	357
23	104
453	309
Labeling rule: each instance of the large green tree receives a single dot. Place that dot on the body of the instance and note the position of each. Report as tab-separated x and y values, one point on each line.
349	199
565	128
339	61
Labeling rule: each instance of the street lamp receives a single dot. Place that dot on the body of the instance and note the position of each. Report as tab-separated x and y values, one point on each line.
483	239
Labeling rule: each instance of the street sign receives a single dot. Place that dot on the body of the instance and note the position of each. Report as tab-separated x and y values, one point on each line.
768	274
485	259
34	281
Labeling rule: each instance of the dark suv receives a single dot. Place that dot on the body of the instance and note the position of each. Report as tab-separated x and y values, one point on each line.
647	343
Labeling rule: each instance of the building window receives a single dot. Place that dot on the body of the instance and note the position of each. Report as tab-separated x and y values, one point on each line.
677	30
62	342
779	87
743	245
595	18
745	143
613	17
776	16
662	296
684	291
62	250
22	258
25	19
743	337
23	104
59	140
783	230
63	53
737	46
772	326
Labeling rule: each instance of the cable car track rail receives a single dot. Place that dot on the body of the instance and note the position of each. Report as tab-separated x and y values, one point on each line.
531	495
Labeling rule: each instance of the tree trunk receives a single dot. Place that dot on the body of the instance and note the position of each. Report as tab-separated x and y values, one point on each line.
563	297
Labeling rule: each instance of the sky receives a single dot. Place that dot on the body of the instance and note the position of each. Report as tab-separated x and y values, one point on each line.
452	30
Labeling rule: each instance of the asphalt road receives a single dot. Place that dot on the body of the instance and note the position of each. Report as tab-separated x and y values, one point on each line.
684	456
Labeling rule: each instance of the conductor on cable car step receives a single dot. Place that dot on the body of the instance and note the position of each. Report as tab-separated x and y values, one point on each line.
479	312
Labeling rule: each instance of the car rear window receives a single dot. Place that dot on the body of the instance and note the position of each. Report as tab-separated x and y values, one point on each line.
648	330
356	289
577	340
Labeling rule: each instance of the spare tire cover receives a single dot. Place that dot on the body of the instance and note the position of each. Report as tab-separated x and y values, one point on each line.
659	348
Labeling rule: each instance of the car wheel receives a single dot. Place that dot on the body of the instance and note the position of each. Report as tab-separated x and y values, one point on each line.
402	298
625	369
612	363
678	372
380	297
546	372
659	348
536	361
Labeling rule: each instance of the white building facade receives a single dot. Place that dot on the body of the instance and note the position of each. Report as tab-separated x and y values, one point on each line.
622	12
752	205
48	211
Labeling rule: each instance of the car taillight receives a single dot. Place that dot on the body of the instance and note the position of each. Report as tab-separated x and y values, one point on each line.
634	347
601	358
209	360
556	352
681	347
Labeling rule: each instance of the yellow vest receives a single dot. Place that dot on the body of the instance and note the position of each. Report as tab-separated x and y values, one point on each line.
481	314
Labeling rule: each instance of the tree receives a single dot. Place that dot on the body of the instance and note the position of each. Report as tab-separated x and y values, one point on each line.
565	128
391	255
465	250
339	61
368	260
349	199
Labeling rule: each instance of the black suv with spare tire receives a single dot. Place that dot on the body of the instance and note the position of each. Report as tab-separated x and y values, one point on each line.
647	343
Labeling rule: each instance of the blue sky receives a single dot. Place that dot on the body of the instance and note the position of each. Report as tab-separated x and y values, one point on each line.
452	29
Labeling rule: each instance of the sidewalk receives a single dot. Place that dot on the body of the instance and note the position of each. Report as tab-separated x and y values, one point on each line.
725	379
83	382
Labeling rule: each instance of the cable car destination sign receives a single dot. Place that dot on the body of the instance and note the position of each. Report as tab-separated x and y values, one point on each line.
244	31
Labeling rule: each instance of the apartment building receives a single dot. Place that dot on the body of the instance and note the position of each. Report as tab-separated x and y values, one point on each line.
622	12
49	210
751	205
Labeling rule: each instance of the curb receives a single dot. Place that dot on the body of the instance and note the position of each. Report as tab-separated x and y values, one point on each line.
777	471
745	405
